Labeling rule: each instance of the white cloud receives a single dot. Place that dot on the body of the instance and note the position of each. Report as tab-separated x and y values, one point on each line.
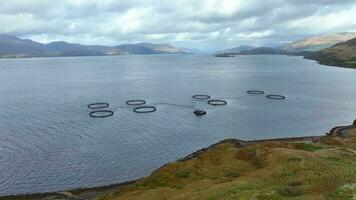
256	35
192	23
324	22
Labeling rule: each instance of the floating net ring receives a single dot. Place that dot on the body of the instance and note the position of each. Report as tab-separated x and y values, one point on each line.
144	109
255	92
275	96
201	97
98	105
101	113
135	102
217	102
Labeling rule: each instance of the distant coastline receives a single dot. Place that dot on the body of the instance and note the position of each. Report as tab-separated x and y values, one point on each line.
14	47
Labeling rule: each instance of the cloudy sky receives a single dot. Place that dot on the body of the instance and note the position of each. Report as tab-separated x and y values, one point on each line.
198	24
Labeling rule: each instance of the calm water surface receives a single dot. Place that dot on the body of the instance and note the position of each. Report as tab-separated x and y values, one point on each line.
48	142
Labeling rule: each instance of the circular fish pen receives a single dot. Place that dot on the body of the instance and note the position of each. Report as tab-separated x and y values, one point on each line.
101	113
255	92
217	102
144	109
275	96
201	97
136	102
98	105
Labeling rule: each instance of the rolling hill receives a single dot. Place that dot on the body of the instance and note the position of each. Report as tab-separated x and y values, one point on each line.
301	47
342	54
14	47
148	48
236	50
262	51
318	42
249	50
11	46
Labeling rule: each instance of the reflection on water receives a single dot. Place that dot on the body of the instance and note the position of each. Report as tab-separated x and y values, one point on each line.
48	142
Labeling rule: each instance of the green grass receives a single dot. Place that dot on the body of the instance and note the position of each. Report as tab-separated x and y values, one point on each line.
345	192
288	173
351	62
309	147
294	159
182	174
333	158
152	181
232	174
232	192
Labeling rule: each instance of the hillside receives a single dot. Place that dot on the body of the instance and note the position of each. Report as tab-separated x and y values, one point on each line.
299	48
318	42
262	170
342	54
307	168
314	168
65	48
148	48
262	51
252	51
13	47
235	50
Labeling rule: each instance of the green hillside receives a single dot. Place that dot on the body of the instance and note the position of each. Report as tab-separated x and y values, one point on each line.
342	54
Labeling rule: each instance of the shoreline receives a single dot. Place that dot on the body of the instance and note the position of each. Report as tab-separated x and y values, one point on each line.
92	192
331	64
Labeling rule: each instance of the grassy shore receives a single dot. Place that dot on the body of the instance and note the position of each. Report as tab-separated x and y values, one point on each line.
293	168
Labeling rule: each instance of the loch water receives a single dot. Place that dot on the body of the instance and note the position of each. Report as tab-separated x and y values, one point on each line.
48	142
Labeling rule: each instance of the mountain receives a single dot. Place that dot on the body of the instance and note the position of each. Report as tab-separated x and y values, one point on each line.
148	48
62	48
13	47
235	50
318	42
250	50
342	54
262	51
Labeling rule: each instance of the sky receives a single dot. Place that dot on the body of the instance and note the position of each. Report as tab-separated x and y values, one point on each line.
197	24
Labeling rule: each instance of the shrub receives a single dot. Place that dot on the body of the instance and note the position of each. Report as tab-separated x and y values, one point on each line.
294	159
309	147
182	174
333	158
295	183
290	191
232	173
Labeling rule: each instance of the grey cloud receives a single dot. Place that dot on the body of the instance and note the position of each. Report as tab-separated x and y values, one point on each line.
211	24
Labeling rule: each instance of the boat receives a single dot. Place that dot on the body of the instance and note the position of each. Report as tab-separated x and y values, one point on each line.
199	112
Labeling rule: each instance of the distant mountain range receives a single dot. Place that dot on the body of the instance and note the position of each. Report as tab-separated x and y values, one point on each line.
250	51
236	50
337	49
14	47
342	54
262	51
318	42
300	47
